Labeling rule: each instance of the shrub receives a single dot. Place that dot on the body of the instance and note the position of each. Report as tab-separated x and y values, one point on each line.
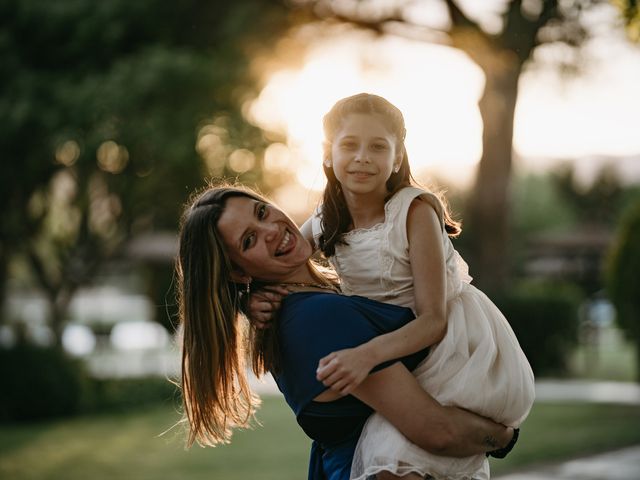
623	265
128	393
544	317
38	383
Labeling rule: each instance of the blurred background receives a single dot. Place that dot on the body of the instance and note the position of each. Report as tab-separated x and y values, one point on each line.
112	113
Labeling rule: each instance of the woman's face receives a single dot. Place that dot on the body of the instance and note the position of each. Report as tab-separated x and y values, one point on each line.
262	242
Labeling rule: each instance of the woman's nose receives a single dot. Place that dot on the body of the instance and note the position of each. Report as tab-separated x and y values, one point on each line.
270	231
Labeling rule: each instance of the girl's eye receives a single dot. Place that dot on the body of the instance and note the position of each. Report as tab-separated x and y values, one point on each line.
348	144
379	146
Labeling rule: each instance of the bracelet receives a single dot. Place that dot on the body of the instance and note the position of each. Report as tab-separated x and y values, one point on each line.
502	452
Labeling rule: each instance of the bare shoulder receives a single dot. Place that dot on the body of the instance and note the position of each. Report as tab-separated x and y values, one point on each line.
422	213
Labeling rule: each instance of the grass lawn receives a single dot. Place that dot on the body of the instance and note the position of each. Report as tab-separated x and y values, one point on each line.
127	445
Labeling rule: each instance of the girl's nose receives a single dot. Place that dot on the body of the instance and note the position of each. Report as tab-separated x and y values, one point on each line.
362	156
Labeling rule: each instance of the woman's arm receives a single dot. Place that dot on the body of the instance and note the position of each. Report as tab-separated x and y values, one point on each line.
345	369
396	395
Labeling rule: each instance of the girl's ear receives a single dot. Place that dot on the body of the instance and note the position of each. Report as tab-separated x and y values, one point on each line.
398	163
326	154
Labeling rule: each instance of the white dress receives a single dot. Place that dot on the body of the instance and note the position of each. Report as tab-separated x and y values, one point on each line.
478	365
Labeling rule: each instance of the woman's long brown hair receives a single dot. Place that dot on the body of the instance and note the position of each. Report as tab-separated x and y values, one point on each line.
336	219
215	390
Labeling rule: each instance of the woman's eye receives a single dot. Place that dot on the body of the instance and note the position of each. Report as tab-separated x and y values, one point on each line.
262	211
247	242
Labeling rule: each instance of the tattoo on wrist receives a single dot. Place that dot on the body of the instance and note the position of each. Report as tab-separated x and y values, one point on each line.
490	441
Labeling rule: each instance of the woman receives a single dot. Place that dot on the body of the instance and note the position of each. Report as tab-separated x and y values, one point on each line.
231	239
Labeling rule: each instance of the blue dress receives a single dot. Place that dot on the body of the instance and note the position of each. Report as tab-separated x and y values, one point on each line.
310	326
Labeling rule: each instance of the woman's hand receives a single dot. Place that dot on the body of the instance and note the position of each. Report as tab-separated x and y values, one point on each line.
263	304
344	370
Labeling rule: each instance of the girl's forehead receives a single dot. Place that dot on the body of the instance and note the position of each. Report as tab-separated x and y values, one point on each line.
373	124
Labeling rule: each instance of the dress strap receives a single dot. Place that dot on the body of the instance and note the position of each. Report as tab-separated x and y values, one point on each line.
398	205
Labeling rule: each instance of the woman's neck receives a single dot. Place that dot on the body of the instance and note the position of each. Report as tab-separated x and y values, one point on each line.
302	275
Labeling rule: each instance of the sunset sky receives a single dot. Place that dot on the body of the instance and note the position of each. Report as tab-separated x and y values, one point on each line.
594	114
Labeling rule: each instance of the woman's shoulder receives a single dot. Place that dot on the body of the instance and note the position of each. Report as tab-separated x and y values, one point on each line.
299	301
311	304
309	312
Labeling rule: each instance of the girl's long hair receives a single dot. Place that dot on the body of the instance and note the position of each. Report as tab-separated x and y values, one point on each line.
336	219
215	391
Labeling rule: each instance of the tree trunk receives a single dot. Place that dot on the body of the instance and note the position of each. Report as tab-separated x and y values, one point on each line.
4	267
488	212
638	359
59	301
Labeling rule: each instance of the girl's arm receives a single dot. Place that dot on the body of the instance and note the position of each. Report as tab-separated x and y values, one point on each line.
345	369
396	395
307	232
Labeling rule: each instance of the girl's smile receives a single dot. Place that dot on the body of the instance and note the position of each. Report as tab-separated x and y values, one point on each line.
363	155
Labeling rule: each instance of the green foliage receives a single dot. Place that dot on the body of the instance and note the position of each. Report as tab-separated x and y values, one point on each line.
38	383
532	198
623	265
630	12
598	203
123	394
544	317
101	109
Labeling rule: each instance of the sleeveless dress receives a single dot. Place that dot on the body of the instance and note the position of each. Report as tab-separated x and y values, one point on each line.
309	326
478	365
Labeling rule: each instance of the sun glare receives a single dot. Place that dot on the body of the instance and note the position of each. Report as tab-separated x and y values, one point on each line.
435	87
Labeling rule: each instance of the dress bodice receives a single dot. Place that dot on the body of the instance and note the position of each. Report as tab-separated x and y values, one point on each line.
374	262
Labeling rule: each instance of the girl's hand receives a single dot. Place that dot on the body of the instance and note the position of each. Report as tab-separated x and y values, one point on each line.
263	304
344	370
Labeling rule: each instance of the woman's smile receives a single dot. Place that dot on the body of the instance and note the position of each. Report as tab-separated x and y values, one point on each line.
262	241
287	244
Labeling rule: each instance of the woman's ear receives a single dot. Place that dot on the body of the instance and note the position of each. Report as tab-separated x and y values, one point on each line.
238	276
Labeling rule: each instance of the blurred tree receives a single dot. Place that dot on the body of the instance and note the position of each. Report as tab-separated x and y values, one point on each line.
598	204
107	111
622	277
502	47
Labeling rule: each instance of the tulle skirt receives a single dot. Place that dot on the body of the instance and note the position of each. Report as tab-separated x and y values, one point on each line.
479	366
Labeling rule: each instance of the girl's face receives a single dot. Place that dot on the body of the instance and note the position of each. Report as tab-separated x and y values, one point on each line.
364	153
262	242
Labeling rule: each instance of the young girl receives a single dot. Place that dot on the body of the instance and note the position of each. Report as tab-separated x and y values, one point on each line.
389	241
